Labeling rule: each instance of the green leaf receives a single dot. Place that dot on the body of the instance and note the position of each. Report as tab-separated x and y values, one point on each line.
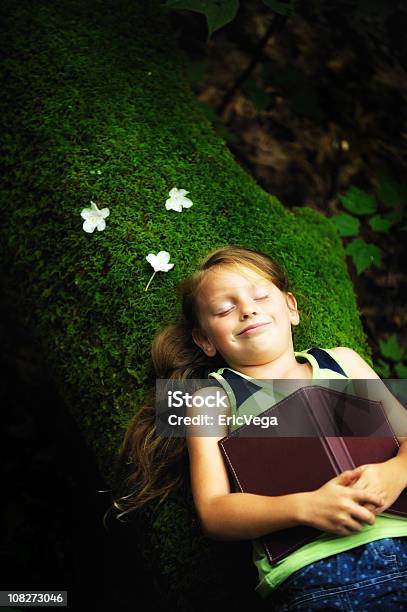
382	369
380	223
283	8
217	12
358	202
401	370
391	193
363	254
346	224
391	348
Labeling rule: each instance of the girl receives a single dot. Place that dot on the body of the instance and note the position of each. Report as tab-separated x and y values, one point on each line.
237	319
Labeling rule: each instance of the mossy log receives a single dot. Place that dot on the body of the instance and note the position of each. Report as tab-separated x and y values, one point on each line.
96	105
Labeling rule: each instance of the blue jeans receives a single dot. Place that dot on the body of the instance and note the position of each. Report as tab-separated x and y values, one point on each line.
369	577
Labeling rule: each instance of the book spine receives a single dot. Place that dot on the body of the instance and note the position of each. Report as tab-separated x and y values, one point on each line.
340	452
330	453
335	443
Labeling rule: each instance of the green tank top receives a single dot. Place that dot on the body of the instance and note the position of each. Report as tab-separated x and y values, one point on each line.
324	366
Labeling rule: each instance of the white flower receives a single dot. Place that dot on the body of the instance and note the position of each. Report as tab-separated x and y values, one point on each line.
177	200
159	262
94	218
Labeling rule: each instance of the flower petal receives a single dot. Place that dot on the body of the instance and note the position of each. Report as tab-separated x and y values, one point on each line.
151	258
88	227
173	204
186	202
163	256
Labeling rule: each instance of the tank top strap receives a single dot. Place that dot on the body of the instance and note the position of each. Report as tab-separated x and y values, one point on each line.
325	360
217	376
237	386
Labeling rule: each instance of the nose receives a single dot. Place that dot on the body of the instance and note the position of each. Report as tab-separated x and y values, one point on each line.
247	309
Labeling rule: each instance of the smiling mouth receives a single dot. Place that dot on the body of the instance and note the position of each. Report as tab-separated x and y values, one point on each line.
248	330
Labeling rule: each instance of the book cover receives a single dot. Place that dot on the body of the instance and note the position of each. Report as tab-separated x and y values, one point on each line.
321	433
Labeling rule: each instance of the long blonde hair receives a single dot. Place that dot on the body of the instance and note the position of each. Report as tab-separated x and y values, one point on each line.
158	464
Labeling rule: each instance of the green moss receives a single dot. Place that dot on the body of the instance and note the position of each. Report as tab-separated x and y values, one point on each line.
96	106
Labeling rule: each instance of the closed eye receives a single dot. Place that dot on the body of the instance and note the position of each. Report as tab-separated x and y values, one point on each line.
225	312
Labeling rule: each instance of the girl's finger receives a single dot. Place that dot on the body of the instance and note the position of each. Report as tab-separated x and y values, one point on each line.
363	496
351	526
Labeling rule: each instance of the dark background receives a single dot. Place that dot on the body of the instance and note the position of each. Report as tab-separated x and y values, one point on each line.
53	535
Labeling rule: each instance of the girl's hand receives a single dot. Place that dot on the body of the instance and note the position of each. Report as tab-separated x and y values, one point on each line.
338	507
382	480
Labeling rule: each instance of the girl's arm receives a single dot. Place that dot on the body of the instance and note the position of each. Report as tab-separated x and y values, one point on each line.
388	478
224	515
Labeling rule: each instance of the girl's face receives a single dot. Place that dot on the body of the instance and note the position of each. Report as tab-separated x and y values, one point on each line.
234	298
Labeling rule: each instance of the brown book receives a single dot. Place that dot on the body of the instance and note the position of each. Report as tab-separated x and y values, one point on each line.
321	433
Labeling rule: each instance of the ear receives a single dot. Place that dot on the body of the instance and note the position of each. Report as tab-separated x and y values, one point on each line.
204	343
292	306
